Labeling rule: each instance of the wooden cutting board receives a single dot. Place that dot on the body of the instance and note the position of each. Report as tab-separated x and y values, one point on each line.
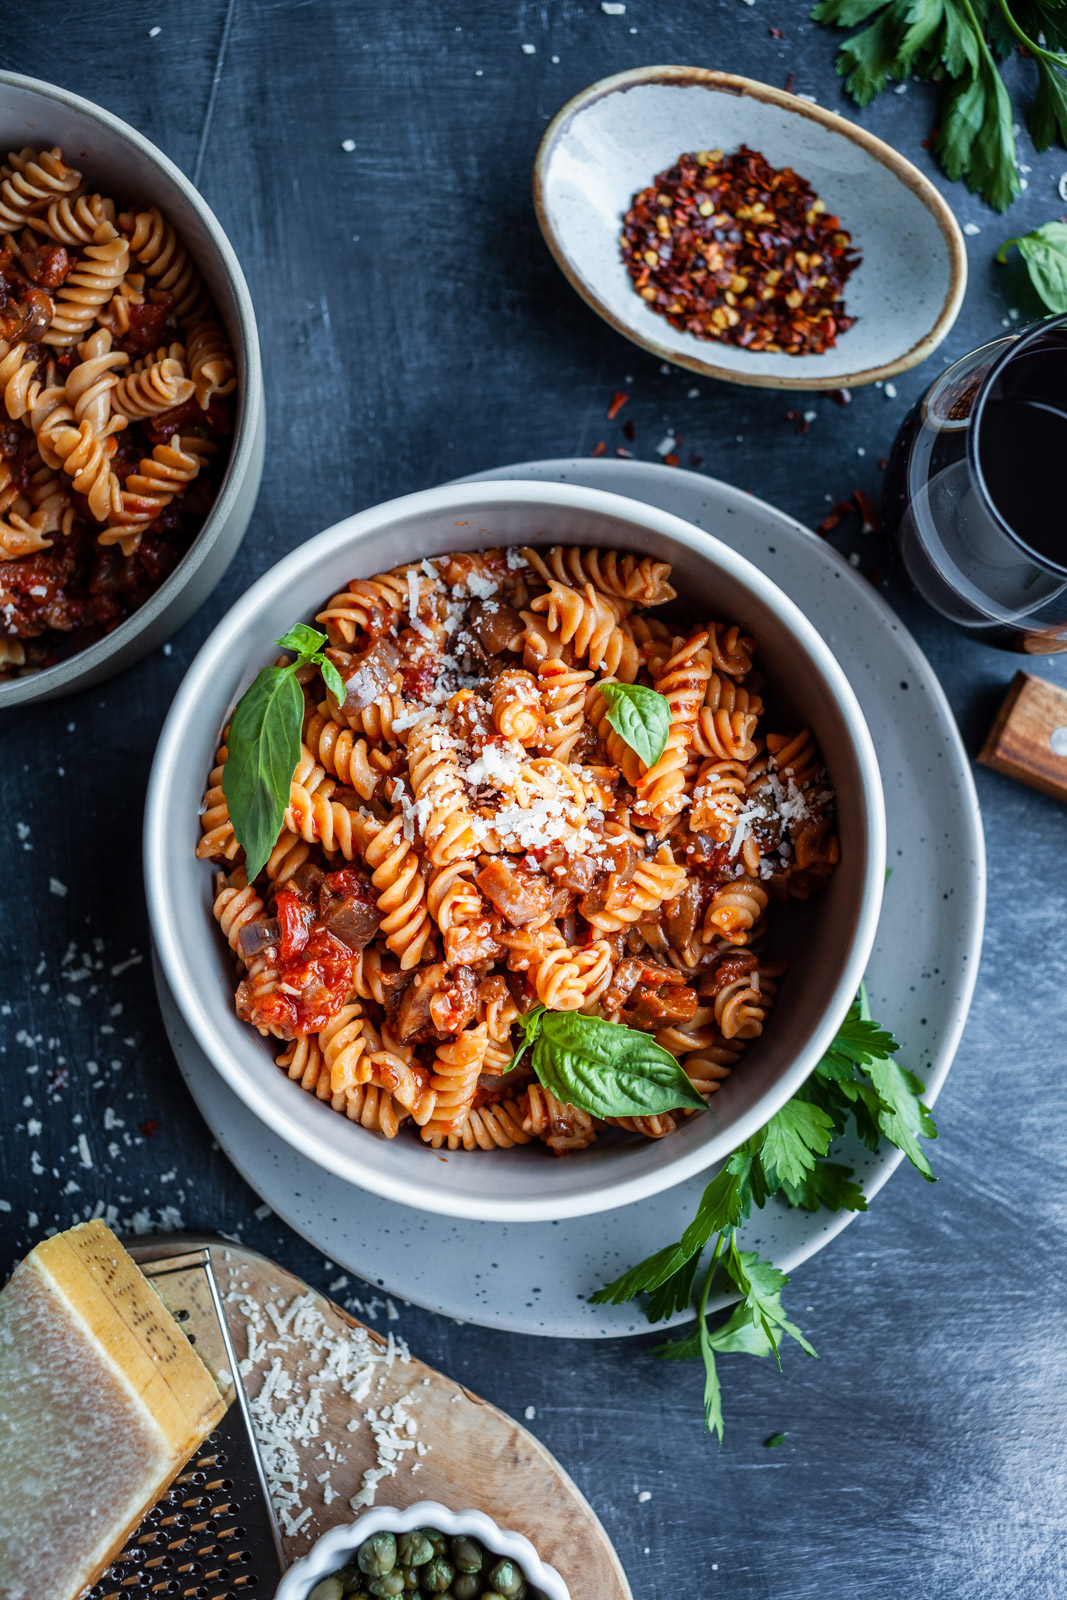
466	1453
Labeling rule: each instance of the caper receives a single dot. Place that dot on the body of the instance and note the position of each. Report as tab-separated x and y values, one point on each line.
414	1549
378	1555
467	1585
491	1594
437	1540
437	1575
508	1579
328	1589
411	1577
467	1554
350	1576
388	1585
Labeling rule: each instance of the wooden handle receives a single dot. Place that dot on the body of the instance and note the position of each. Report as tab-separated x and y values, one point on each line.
1028	740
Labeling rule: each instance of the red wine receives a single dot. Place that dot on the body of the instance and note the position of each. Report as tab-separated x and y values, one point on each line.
1022	453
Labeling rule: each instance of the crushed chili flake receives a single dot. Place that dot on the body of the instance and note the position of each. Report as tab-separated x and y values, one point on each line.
728	247
799	421
776	33
618	400
149	1129
629	431
790	80
671	460
840	397
868	511
599	449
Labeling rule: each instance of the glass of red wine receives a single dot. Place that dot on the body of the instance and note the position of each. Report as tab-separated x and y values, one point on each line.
976	491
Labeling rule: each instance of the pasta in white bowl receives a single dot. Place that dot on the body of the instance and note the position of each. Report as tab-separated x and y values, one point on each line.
471	850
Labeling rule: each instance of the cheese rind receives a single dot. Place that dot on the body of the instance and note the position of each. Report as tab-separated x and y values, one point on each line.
102	1401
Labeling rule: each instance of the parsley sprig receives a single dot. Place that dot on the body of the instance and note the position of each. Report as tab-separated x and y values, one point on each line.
958	44
857	1082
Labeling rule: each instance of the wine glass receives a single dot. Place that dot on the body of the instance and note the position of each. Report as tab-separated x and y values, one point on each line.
976	491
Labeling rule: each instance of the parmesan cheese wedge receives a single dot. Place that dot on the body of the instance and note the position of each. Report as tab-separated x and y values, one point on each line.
102	1401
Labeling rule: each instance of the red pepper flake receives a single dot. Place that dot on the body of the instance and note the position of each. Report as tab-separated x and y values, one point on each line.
840	397
883	462
799	421
868	511
790	80
838	514
149	1129
728	247
629	431
670	460
599	449
623	453
618	400
776	33
695	460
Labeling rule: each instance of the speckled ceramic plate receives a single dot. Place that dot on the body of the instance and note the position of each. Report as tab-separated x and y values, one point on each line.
611	140
535	1277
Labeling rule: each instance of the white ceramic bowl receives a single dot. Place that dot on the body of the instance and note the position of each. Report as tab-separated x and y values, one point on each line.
340	1544
611	140
119	161
827	940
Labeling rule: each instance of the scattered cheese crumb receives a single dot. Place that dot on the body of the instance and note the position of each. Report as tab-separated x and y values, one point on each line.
529	49
613	8
971	228
646	1494
530	1413
348	145
55	887
890	391
153	33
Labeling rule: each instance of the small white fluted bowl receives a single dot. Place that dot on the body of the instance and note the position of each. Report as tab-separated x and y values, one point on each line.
340	1544
119	161
826	939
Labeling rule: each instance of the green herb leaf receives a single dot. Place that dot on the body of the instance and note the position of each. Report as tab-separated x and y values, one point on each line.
903	1115
827	1184
793	1140
530	1025
774	1441
952	42
1048	119
607	1069
761	1283
264	748
304	640
332	679
640	716
1045	254
722	1205
975	141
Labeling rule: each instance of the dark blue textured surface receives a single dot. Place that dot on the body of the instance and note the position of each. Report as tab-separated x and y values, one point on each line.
414	328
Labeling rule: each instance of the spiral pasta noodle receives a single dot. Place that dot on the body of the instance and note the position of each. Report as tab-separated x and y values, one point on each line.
467	837
117	337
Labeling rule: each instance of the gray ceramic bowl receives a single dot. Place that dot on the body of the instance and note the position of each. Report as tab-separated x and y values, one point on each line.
827	940
120	161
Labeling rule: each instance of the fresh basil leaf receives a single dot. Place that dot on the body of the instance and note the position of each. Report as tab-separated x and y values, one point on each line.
530	1025
332	679
306	641
607	1069
264	748
1045	254
640	716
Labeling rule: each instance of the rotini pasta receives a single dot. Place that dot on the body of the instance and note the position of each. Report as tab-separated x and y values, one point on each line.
118	369
461	845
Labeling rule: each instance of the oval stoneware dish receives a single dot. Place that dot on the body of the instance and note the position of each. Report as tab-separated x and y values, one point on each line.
612	140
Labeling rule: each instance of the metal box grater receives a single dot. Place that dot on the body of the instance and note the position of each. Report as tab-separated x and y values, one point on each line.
213	1534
